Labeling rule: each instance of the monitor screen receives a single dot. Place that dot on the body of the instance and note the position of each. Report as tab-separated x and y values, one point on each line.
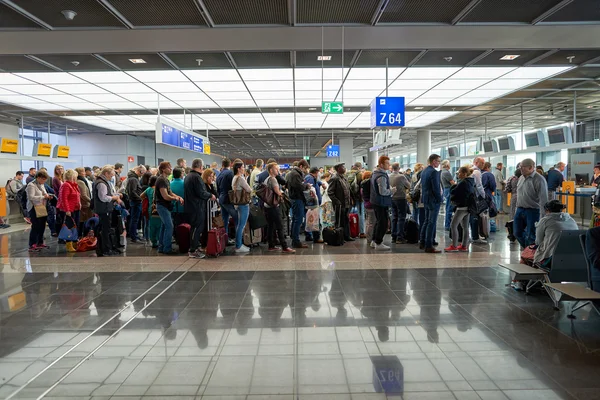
556	136
452	152
531	139
488	147
503	144
582	179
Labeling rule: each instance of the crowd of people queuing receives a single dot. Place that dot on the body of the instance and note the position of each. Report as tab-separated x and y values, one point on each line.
146	205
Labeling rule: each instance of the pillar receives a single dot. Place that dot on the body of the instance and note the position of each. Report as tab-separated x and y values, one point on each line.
346	151
372	157
423	145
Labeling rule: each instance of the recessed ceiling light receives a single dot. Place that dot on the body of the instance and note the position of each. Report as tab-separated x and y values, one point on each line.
100	112
137	60
323	58
205	110
509	57
590	106
72	129
418	108
312	109
69	14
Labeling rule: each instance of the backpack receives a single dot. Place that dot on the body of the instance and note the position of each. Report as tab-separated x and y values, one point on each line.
415	193
9	191
21	197
472	203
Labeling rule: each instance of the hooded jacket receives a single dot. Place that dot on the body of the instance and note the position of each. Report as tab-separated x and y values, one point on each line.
295	183
134	188
69	198
459	193
548	232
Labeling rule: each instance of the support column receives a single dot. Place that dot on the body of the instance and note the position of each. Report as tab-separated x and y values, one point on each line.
423	145
346	151
372	157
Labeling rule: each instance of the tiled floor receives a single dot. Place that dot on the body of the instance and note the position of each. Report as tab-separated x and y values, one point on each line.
327	323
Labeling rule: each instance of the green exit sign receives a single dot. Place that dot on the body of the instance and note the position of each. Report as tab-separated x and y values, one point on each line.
332	107
307	158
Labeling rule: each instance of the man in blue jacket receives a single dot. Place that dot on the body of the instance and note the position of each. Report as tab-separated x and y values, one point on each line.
223	187
431	195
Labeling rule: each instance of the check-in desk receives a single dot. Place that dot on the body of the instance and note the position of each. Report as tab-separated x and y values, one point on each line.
583	205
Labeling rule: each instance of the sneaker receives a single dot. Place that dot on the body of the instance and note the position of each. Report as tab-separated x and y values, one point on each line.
517	285
289	251
462	248
372	244
231	242
381	247
451	248
34	249
242	249
432	250
301	246
196	254
42	246
276	248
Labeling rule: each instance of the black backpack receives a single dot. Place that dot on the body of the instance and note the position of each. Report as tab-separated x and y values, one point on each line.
411	231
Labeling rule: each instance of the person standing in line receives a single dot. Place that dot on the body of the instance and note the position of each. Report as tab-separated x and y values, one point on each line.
354	178
365	192
89	175
37	196
69	202
50	206
215	168
532	195
478	164
447	182
381	200
296	187
432	200
312	179
327	213
117	182
459	197
500	185
240	184
31	176
134	190
153	226
57	182
178	188
488	182
196	205
105	199
255	172
224	179
339	193
85	199
414	181
273	214
164	198
400	182
511	187
555	179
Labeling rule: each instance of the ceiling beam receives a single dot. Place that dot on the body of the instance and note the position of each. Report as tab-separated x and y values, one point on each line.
465	11
540	57
460	37
205	14
111	9
479	58
551	11
44	63
26	14
292	11
379	11
417	58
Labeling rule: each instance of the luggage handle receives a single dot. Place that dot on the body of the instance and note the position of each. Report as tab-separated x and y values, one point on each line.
211	204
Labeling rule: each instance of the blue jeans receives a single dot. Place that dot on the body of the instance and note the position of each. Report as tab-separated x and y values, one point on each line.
448	219
420	218
524	225
498	200
398	218
227	211
242	212
297	217
431	215
135	211
166	229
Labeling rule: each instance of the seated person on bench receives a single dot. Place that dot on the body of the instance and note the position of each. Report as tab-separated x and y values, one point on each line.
592	250
548	232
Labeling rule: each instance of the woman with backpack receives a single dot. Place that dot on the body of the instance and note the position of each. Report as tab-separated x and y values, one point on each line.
461	194
365	190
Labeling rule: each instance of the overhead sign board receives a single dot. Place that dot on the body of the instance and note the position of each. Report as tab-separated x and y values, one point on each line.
42	150
61	151
333	150
387	112
332	107
10	146
170	135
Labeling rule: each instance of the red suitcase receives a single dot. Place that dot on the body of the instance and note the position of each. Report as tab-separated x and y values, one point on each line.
353	219
182	236
217	237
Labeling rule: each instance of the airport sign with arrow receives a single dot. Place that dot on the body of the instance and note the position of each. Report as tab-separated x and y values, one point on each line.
332	107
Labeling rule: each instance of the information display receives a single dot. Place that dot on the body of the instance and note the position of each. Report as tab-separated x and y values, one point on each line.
333	150
10	146
61	151
387	112
42	149
180	138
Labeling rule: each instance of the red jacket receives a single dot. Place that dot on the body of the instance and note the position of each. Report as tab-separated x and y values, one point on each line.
69	198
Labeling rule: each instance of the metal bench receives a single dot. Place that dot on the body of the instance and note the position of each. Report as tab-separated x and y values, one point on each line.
574	291
522	272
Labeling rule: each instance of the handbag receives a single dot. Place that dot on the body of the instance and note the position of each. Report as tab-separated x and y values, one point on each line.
217	221
40	211
239	197
312	220
528	254
68	234
266	194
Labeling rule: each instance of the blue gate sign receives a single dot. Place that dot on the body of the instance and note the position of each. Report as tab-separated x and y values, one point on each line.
198	144
185	141
388	375
170	135
387	112
333	150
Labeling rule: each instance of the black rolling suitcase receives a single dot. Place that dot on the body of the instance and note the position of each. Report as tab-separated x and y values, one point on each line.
411	231
334	236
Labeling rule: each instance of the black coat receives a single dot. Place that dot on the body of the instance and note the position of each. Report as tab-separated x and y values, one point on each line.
196	198
459	193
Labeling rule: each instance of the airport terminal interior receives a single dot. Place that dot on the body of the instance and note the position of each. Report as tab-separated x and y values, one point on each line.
101	96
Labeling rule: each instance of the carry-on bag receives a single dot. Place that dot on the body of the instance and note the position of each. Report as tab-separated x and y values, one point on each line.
182	236
353	221
217	237
334	236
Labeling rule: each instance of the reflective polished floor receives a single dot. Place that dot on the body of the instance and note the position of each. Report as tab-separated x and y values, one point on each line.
327	323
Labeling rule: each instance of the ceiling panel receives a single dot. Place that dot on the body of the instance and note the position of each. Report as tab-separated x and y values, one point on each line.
12	19
426	11
248	12
336	11
21	64
509	10
377	58
578	10
190	60
90	13
159	12
253	59
152	61
86	62
560	57
493	59
310	58
442	58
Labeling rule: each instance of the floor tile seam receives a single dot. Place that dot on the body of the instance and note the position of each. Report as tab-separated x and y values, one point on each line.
93	332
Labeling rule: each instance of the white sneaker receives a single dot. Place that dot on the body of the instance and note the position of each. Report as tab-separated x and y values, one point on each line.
372	244
381	247
242	249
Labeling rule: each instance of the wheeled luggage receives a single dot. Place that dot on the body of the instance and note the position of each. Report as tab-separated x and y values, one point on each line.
353	221
182	236
252	237
411	230
217	237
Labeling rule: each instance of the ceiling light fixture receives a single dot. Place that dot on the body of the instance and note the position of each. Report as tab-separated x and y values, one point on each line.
570	58
418	108
137	60
323	58
75	63
69	14
510	57
312	109
448	59
100	112
199	61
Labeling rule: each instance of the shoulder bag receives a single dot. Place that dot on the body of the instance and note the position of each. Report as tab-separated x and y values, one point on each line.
239	197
